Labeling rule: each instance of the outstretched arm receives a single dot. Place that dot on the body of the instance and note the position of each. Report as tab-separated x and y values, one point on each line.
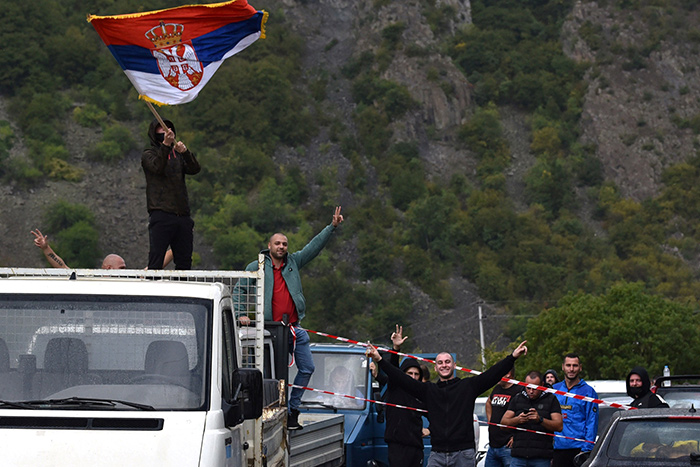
490	377
396	376
314	247
54	260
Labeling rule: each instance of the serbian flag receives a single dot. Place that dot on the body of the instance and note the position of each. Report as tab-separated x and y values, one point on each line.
169	55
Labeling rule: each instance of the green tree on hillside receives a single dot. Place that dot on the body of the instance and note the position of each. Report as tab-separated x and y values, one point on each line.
613	332
74	228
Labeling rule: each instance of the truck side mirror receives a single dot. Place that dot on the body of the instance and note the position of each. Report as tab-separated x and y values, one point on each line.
248	391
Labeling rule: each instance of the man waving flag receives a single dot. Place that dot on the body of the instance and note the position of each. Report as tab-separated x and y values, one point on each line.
169	55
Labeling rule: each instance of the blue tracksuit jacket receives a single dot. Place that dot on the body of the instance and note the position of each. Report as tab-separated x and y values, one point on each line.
580	417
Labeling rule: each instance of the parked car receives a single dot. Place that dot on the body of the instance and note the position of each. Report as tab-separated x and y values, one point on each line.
607	388
482	438
683	391
650	437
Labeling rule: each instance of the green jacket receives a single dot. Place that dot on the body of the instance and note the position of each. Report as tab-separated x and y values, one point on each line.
293	263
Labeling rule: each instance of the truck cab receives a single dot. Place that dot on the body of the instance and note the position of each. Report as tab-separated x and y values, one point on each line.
127	369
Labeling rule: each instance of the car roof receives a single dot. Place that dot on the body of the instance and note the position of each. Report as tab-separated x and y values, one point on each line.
609	385
657	413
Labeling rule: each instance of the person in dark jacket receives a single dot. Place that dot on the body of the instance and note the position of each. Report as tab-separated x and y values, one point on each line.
550	378
536	410
500	441
404	428
165	165
450	404
639	389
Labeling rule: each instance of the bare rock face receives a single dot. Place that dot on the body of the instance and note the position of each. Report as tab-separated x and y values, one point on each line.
639	93
463	12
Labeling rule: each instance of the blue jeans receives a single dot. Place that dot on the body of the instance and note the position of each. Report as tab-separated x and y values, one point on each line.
536	462
497	457
304	362
465	458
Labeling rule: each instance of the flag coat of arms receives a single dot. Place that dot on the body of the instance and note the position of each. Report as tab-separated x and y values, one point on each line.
170	55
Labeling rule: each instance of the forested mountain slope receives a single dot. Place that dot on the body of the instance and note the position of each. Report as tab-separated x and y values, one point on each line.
512	152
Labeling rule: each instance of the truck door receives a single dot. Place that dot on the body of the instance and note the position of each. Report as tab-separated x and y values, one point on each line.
233	414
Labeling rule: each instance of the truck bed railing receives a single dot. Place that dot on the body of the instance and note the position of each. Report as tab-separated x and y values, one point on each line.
249	298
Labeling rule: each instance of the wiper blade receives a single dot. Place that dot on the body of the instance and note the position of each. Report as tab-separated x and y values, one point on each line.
86	403
15	405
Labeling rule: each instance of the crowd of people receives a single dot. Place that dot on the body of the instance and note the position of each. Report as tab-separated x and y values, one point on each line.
449	401
552	428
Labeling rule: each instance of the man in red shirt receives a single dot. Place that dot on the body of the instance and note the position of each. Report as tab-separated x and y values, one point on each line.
284	297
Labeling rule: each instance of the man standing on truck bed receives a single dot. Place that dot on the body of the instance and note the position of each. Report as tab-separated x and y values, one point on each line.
284	298
450	404
165	165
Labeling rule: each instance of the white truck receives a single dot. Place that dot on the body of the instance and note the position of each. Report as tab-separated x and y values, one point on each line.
136	368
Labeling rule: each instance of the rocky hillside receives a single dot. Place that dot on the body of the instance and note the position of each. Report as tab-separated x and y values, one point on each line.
643	88
640	115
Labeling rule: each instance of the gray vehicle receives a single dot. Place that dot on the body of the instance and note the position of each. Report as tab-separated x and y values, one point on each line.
679	390
649	437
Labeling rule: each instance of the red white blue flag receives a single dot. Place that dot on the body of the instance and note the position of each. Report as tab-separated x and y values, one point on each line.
169	55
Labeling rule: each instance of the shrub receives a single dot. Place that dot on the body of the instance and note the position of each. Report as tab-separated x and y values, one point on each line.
62	214
107	151
116	142
237	247
22	173
78	245
89	116
7	137
73	227
58	169
392	34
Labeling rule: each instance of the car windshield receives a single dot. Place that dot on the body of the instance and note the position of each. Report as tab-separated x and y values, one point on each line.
339	373
669	438
123	353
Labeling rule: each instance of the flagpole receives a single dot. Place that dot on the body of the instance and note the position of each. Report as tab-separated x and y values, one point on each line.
155	113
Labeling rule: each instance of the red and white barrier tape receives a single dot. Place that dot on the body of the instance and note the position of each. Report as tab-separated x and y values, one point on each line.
535	431
358	398
322	391
475	372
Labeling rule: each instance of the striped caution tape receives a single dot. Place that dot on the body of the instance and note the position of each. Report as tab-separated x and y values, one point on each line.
358	398
475	372
323	391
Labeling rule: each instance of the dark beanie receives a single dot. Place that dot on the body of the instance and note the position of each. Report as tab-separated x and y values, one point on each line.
410	362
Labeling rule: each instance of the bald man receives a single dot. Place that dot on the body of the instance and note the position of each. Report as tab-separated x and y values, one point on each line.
284	301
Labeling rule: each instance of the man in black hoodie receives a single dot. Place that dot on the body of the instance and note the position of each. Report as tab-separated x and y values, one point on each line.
404	428
165	165
450	404
639	389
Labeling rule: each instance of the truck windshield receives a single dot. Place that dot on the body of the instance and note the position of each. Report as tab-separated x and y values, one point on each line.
143	352
340	373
